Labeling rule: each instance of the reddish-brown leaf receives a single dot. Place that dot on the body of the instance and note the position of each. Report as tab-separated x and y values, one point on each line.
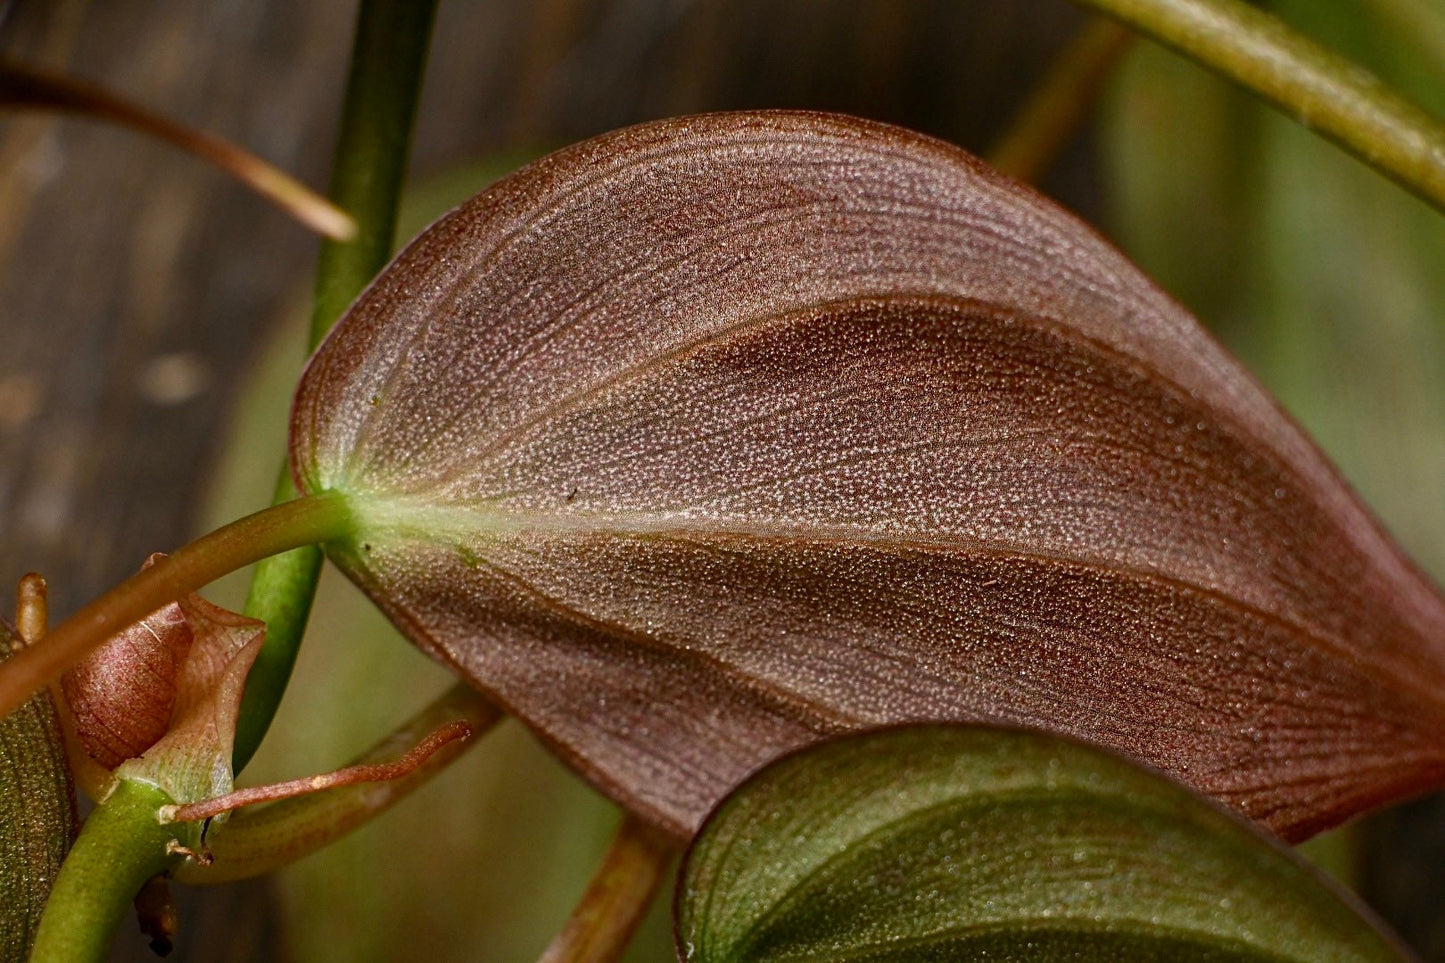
700	439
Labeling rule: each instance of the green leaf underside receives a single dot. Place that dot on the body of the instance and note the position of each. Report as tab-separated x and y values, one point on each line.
702	440
38	817
950	842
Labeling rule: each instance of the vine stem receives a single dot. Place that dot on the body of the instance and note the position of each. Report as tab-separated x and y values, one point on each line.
262	840
305	521
454	731
120	847
388	59
619	893
1327	92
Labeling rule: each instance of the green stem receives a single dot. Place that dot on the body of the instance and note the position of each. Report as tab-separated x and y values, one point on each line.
281	592
315	519
1323	90
121	846
387	62
617	897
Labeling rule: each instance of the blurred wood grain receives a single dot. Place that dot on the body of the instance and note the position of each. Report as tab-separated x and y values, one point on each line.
134	280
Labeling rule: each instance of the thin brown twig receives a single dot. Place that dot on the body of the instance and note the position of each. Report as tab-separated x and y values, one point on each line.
617	897
350	775
27	87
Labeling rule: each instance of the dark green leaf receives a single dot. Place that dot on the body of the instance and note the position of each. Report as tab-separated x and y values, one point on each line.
930	843
37	813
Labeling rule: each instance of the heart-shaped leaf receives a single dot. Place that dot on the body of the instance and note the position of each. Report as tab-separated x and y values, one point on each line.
38	818
698	441
971	843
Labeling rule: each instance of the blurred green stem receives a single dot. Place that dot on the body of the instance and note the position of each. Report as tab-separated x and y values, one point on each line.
120	847
1417	22
387	63
1325	91
1056	111
619	893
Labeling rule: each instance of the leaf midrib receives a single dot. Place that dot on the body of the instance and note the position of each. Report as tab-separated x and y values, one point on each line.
415	518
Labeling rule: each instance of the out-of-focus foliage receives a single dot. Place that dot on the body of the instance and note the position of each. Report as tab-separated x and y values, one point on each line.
1328	280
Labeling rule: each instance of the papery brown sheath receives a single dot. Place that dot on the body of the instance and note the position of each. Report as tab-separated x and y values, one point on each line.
162	678
122	694
703	438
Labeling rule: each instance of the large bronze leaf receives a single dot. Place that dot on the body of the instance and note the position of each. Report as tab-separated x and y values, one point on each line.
698	440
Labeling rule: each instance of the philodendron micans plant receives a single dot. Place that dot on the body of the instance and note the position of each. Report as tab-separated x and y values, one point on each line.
706	440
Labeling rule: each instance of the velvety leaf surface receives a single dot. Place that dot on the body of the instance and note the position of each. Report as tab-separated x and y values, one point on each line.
930	843
38	818
700	440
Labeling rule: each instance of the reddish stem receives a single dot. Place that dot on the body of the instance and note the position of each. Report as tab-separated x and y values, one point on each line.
374	772
314	519
27	87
